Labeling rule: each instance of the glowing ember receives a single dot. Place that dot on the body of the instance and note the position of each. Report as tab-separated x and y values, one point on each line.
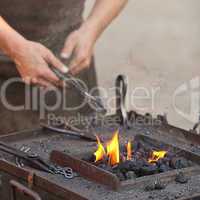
113	149
129	151
99	154
157	155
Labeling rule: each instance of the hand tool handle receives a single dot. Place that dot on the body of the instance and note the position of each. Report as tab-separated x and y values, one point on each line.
35	162
97	104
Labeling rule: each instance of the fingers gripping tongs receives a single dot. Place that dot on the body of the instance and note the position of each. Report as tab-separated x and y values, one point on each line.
94	102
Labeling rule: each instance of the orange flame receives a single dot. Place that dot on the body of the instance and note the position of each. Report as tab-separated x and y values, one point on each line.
113	149
156	155
99	154
129	151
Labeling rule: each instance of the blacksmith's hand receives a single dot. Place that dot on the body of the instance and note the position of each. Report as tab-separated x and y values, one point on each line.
33	62
79	44
32	59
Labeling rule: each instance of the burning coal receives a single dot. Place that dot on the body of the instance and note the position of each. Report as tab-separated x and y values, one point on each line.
113	151
135	159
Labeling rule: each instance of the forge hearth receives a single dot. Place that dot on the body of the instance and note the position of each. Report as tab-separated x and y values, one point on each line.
91	182
148	156
137	158
179	178
176	165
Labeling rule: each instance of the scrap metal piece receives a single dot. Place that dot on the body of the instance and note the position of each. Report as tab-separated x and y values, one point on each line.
67	172
86	169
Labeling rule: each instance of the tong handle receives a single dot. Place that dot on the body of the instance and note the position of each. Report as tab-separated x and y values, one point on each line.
68	77
35	161
91	99
11	150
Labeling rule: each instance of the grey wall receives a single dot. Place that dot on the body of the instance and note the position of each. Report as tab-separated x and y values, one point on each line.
155	43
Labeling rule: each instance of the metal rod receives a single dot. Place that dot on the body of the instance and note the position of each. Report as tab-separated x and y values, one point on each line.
69	132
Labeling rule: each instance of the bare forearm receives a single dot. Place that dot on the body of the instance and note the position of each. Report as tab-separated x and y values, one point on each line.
80	43
103	13
10	40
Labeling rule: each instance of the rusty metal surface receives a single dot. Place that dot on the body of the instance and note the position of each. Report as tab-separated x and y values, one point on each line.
86	169
40	180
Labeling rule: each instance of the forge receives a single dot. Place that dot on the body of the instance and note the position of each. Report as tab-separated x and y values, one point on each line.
99	180
150	160
137	157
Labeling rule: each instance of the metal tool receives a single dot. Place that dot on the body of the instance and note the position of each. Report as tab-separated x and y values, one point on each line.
35	161
70	132
121	91
67	172
93	101
19	161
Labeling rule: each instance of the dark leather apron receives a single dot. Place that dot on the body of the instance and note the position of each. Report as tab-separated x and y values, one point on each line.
48	22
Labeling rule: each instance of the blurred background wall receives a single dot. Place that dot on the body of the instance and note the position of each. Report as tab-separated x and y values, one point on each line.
156	44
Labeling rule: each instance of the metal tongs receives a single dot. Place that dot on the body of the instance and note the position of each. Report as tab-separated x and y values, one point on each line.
93	101
33	160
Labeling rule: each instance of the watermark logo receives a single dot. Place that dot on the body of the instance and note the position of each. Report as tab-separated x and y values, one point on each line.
35	99
189	90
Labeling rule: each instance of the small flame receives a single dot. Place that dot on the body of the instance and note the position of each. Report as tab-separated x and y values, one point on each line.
99	154
156	155
113	149
129	151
